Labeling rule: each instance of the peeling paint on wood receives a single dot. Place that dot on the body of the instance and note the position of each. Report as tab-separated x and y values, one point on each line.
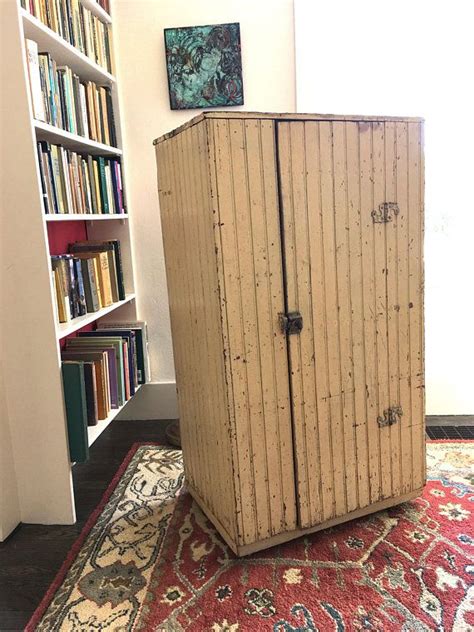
267	215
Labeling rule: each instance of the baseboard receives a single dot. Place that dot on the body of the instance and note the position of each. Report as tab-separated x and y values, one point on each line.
156	400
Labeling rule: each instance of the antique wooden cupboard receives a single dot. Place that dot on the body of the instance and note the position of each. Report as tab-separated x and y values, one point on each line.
294	257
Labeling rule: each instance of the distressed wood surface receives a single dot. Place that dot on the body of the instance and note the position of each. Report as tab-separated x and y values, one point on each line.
187	226
249	258
279	116
264	214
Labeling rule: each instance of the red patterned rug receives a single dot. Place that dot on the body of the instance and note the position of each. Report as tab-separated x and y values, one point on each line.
149	560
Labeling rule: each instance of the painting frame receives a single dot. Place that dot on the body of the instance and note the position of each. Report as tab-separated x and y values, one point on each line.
204	66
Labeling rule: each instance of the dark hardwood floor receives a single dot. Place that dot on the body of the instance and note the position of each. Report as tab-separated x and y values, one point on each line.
32	554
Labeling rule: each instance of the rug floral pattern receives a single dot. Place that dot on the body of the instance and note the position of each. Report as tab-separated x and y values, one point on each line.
152	561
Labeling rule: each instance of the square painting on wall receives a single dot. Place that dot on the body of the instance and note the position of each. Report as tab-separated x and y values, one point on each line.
204	66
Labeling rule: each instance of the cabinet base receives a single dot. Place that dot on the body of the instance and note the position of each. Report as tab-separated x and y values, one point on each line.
286	536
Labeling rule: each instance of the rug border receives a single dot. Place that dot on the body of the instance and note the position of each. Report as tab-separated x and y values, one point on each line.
76	547
74	550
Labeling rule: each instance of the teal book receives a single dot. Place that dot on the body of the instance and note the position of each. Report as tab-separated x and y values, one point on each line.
76	410
103	185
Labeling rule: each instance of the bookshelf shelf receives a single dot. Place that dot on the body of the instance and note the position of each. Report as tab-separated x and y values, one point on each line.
66	329
62	51
53	134
94	432
84	217
97	10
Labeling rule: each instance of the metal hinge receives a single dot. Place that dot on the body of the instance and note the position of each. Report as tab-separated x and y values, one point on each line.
291	323
385	212
390	416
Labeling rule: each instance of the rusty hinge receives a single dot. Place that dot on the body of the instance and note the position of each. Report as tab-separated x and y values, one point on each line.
291	323
390	416
385	212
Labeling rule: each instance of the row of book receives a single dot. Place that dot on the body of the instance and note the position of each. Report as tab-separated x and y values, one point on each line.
76	183
101	370
78	26
61	99
88	278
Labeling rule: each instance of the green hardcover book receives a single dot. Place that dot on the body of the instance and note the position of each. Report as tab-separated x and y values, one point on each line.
103	185
76	410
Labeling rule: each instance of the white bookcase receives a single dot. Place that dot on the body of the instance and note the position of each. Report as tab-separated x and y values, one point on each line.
31	335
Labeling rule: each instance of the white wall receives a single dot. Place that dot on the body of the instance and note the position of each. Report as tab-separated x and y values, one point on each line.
411	58
9	504
268	74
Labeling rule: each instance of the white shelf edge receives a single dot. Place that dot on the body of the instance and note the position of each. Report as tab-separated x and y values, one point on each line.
74	141
97	10
94	432
84	217
64	329
48	34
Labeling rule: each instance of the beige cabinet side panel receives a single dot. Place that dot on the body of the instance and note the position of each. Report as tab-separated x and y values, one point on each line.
187	227
245	194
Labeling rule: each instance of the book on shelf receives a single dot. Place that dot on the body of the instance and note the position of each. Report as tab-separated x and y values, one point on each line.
127	335
34	76
108	359
76	410
61	99
141	336
99	359
79	184
72	21
87	278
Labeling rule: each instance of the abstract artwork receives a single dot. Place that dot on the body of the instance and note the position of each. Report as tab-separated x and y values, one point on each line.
204	66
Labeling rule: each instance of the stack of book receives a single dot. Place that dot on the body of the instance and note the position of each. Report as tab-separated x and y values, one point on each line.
101	369
76	183
77	25
87	279
61	99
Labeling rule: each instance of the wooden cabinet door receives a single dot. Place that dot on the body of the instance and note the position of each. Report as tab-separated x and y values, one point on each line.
357	282
244	187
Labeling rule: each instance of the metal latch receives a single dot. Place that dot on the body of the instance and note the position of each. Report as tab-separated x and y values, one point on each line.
291	323
390	416
385	212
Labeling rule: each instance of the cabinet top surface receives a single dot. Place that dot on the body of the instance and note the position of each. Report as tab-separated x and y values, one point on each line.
283	117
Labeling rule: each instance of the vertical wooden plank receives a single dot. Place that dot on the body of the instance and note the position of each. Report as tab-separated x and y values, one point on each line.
287	170
231	267
380	307
421	203
262	330
368	266
211	167
205	333
249	319
415	304
402	307
196	414
277	304
392	302
332	313
342	235
318	321
357	308
303	344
